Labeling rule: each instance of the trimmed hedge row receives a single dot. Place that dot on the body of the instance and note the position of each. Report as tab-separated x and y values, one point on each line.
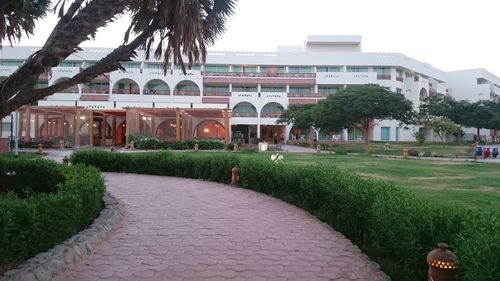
393	226
38	222
152	143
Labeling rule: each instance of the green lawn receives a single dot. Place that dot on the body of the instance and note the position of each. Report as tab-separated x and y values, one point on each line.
467	184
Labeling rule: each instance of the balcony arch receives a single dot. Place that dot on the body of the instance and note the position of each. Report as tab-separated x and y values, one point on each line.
166	130
126	86
209	129
187	88
272	110
423	94
72	90
244	109
156	87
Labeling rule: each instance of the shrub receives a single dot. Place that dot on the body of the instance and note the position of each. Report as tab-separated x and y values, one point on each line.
40	221
393	226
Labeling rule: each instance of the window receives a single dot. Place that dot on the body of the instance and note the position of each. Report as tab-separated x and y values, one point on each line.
357	69
272	69
217	68
11	62
237	69
300	69
249	88
131	64
328	68
6	126
216	89
385	71
70	64
275	89
41	84
186	66
327	90
399	90
152	65
408	75
249	69
385	133
301	90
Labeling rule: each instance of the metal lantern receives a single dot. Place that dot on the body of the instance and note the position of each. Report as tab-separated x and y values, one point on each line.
442	264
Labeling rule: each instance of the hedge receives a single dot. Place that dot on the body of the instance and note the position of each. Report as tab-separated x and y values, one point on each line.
391	225
35	222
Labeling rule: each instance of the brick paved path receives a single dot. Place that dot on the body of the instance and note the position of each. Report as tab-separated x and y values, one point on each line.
182	229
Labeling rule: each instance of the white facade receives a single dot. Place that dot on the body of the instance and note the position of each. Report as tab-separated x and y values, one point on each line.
264	82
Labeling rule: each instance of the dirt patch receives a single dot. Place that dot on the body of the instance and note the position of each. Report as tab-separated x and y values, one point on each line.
442	178
375	176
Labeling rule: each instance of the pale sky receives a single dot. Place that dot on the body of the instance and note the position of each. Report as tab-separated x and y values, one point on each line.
448	34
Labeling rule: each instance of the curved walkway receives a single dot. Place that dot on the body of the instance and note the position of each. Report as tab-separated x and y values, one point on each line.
183	229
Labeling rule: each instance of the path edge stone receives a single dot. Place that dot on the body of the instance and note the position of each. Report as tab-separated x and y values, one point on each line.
44	266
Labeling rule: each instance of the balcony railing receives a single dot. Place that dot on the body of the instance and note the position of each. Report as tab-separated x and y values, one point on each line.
127	91
95	91
271	115
69	91
306	95
244	114
383	77
239	74
186	93
217	94
156	92
399	78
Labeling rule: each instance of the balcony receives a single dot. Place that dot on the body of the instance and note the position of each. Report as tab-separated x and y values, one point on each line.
186	93
95	91
346	78
216	94
399	78
244	114
260	78
132	91
255	74
271	115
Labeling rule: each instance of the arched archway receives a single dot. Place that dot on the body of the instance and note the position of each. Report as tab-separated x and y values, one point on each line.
244	109
156	87
55	127
126	86
423	94
166	130
209	129
72	90
272	110
186	88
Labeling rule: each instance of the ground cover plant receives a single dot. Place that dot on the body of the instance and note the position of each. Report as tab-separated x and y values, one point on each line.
396	228
43	203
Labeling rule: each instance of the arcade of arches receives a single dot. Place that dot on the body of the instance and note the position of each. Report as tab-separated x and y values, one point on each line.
79	126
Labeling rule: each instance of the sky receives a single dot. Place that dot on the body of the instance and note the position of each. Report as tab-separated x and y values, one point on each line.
448	34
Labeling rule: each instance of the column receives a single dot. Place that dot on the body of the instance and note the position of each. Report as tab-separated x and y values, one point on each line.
60	127
76	127
258	130
227	128
46	127
27	136
153	135
21	123
113	142
91	128
103	130
37	125
177	124
64	126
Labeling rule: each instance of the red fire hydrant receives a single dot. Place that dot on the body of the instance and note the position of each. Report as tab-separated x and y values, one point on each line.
235	176
442	264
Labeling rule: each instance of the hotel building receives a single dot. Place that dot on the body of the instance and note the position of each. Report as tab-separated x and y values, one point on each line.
243	91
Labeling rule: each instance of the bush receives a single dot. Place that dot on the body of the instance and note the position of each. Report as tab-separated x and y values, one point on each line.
40	221
393	226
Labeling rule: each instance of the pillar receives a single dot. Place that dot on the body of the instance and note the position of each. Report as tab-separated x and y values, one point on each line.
153	131
91	128
21	123
227	128
60	127
76	127
177	124
113	136
46	127
27	136
37	125
103	130
64	126
258	130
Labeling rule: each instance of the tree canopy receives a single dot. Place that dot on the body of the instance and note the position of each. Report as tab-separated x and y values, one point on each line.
175	29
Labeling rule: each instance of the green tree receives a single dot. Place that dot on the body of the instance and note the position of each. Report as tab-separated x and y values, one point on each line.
440	125
181	28
360	107
301	116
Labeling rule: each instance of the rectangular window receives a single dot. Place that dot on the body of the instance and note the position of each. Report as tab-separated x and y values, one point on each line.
70	64
216	89
11	62
357	69
272	69
237	69
275	89
249	69
327	90
301	90
186	66
131	64
238	88
385	133
6	126
217	68
152	65
300	69
397	133
328	68
386	71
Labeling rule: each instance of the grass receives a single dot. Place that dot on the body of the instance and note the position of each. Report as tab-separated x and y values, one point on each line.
467	184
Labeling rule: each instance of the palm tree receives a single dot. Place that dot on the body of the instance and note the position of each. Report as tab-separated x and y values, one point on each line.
182	29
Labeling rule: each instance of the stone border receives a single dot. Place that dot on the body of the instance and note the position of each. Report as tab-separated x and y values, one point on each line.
44	266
